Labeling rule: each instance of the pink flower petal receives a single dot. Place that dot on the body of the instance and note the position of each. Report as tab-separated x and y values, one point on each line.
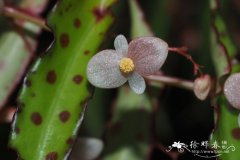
148	54
103	70
232	90
137	83
121	45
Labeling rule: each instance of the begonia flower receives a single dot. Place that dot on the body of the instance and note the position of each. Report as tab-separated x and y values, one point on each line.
128	62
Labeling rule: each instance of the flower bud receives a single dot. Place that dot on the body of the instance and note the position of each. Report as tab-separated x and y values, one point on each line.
202	86
232	90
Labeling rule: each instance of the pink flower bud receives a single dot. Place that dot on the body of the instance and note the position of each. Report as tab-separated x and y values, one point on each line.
202	86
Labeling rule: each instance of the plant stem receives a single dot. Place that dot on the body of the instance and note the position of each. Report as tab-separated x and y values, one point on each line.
182	51
172	81
17	14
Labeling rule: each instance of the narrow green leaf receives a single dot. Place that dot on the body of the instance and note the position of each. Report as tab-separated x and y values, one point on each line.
14	58
52	100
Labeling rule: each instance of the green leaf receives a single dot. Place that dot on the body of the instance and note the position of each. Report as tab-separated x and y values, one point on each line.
222	48
226	128
226	118
51	108
14	58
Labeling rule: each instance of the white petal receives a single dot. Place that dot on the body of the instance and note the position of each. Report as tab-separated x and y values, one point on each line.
121	45
103	70
137	83
148	54
86	149
232	90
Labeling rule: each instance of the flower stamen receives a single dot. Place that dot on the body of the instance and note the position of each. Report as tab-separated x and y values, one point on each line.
126	65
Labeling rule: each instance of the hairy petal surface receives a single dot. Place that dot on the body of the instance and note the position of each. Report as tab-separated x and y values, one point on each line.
121	45
232	90
103	70
137	83
148	54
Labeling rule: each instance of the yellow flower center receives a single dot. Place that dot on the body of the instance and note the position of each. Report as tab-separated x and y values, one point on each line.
126	65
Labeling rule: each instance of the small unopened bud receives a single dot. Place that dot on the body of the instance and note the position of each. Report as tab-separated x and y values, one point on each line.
202	86
232	90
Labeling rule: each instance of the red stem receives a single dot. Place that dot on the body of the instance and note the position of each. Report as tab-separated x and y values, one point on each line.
183	51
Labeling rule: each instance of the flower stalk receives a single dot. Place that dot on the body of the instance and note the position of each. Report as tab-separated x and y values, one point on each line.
182	51
171	81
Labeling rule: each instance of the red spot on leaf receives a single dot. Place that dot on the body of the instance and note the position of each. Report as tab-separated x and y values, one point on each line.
77	23
70	141
77	79
17	130
51	77
51	156
64	116
236	133
99	14
36	118
64	40
86	52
